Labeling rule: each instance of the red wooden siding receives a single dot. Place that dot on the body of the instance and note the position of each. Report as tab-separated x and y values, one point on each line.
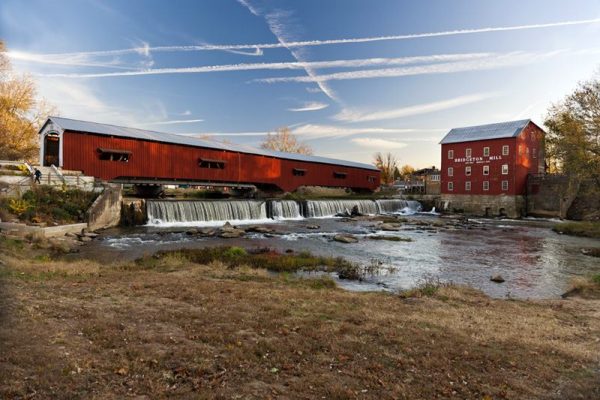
521	161
172	161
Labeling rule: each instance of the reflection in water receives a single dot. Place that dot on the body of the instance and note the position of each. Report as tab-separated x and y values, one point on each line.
535	261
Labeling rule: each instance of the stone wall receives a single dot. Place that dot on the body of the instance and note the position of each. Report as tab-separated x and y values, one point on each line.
105	212
586	205
484	205
550	195
133	212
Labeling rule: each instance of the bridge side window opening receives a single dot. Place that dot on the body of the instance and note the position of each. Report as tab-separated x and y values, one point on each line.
504	185
468	171
450	154
114	155
339	175
371	179
486	185
211	164
505	150
486	169
468	153
298	172
504	169
486	151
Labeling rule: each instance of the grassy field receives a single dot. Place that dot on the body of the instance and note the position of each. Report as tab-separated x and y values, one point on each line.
175	328
579	228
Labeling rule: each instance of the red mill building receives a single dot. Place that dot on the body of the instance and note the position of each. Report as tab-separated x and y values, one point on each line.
485	168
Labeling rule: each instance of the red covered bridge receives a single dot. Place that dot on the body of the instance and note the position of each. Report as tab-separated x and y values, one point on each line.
128	155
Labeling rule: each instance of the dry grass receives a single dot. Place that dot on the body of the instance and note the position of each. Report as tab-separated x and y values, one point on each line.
186	330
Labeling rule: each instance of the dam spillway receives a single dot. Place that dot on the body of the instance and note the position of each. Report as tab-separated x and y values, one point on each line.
215	212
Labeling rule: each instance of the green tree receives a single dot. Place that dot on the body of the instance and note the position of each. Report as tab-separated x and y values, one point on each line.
387	164
284	140
21	113
573	140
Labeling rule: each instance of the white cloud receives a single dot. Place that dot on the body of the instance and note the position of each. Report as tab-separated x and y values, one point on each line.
312	106
308	43
512	59
294	65
376	143
349	115
177	121
74	60
329	131
317	131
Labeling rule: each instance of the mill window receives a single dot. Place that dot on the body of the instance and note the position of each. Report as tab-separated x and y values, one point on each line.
504	169
486	185
450	186
505	150
468	153
504	185
450	171
450	154
468	171
486	151
486	169
468	186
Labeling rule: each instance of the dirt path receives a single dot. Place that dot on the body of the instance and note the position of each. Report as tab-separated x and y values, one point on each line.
182	330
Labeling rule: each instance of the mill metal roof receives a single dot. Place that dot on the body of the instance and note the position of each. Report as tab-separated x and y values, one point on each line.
484	132
143	134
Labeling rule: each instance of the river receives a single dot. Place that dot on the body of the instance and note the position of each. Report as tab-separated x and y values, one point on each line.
534	261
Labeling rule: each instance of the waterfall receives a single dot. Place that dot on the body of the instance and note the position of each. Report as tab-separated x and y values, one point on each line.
191	212
217	212
329	208
391	206
285	209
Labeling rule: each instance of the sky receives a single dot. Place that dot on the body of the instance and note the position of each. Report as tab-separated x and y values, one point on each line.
348	77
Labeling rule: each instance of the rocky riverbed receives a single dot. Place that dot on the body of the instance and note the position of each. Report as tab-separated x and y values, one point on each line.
532	260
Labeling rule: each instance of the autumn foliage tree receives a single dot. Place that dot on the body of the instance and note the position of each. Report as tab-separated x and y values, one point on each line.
21	113
284	140
573	140
387	164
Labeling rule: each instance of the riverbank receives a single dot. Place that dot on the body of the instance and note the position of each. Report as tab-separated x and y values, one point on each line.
175	328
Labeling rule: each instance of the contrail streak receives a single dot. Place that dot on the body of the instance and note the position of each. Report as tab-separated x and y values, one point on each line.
293	44
293	65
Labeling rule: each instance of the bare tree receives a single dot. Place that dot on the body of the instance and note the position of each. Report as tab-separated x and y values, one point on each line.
21	113
284	140
387	164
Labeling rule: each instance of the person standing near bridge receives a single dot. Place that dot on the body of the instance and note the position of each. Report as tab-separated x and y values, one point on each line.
37	176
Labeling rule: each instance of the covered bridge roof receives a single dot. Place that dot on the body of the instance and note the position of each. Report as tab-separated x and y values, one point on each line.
142	134
484	132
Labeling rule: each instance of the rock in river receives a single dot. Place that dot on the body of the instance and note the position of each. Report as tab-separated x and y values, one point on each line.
345	238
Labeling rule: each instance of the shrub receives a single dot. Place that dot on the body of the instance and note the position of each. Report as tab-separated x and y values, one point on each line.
18	206
48	204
